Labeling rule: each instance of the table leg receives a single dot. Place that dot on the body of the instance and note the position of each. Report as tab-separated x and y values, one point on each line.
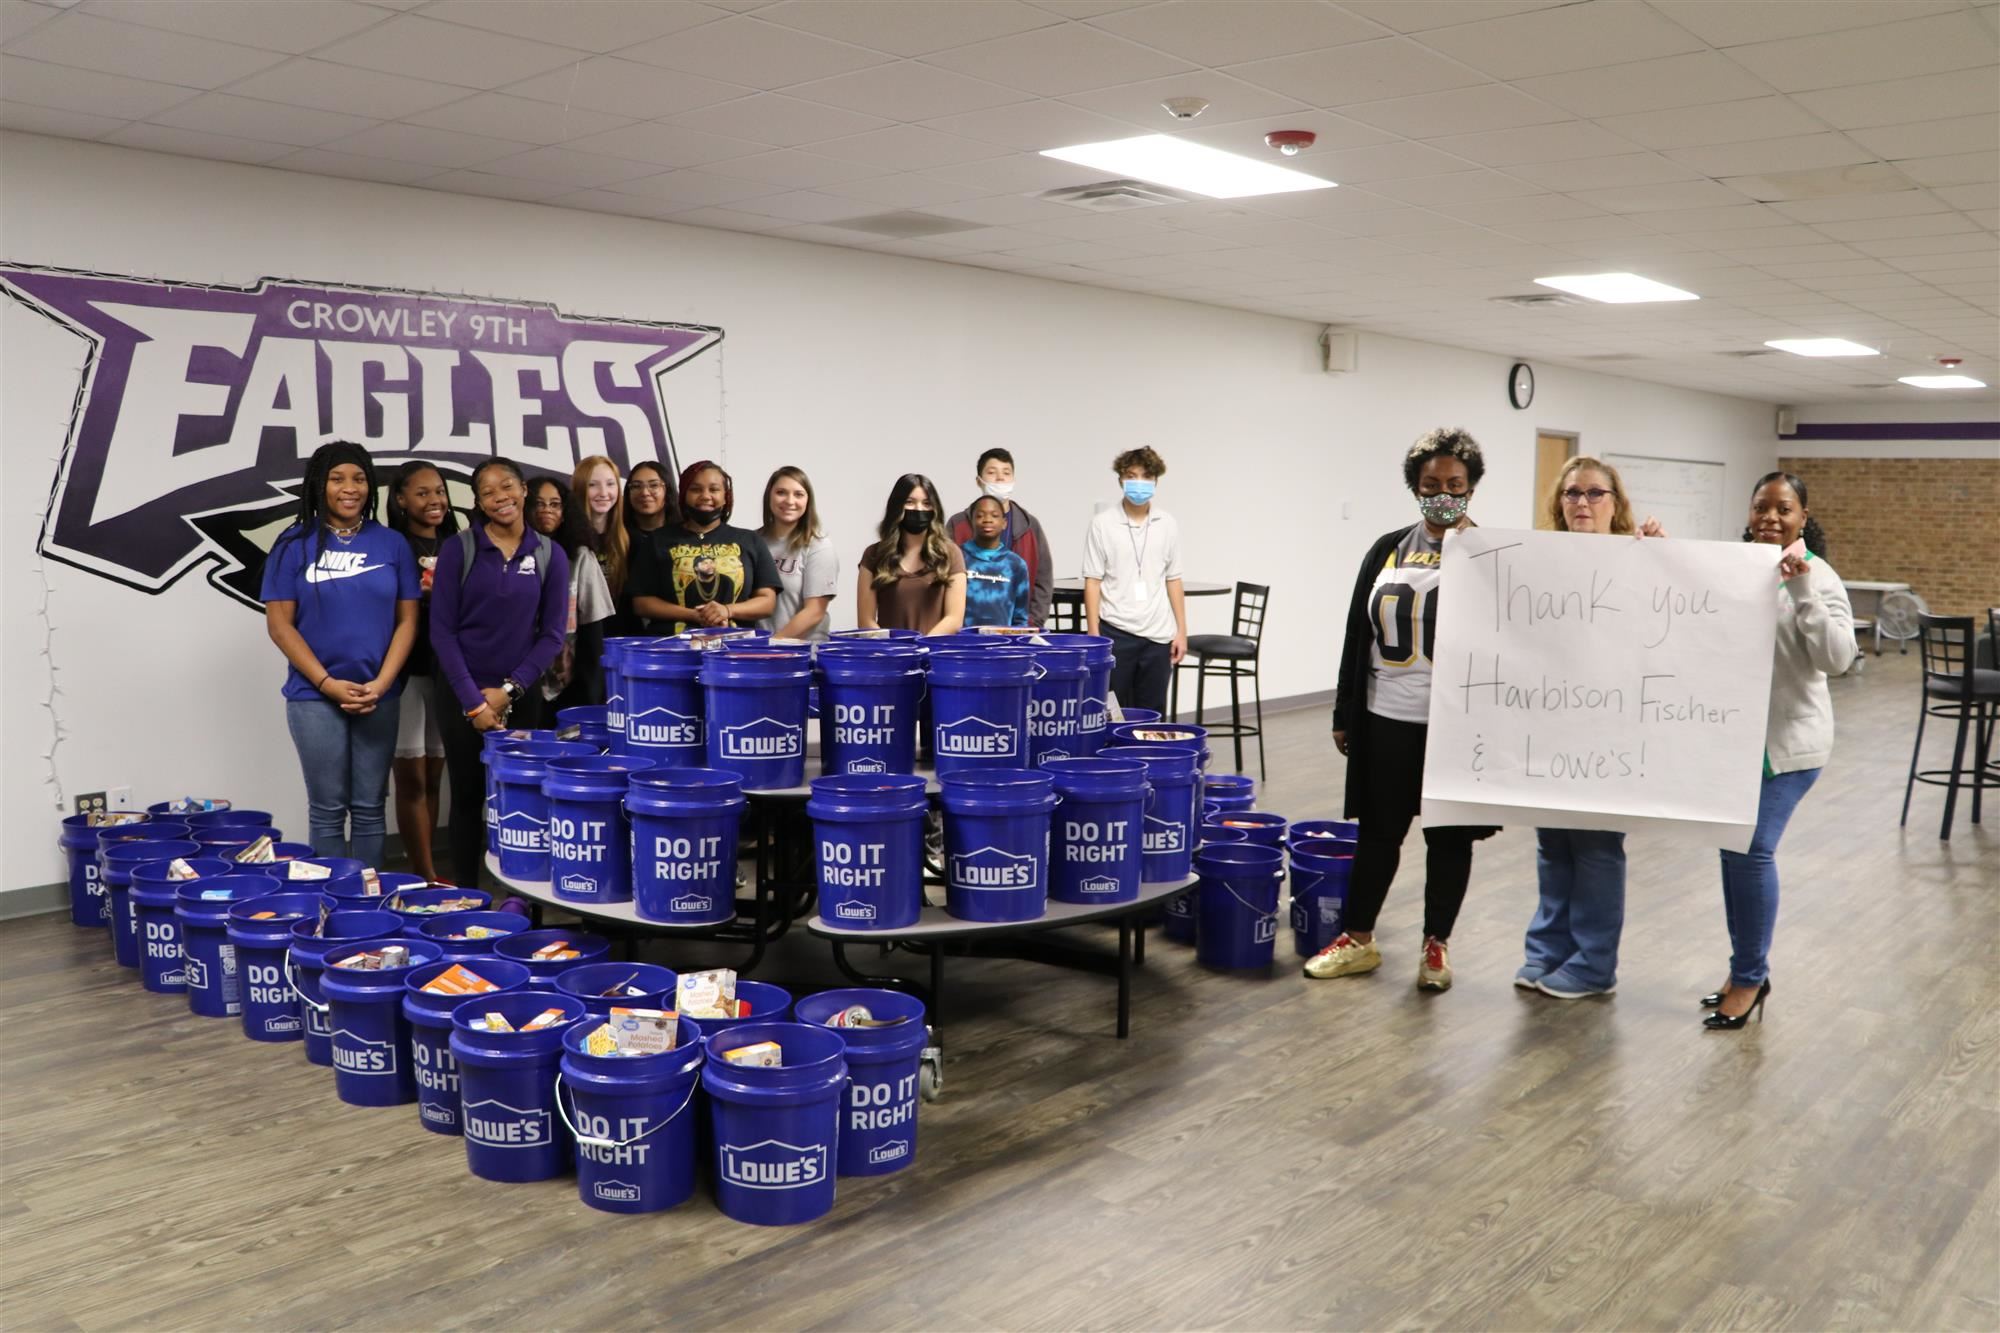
1139	942
937	984
1125	976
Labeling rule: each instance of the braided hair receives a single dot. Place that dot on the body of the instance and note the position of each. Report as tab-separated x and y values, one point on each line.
1813	536
399	481
309	524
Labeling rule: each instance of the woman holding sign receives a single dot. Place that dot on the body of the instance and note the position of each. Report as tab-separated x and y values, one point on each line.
1572	943
1815	640
1381	715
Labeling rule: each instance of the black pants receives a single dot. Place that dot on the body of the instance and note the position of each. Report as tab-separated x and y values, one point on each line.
1390	798
1140	670
465	818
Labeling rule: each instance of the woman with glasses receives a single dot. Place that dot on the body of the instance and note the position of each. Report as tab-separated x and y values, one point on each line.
577	674
702	570
1381	715
1572	944
912	577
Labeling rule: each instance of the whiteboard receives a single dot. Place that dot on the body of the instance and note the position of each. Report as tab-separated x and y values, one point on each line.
1687	495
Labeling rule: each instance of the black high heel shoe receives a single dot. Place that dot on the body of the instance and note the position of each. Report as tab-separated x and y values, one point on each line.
1724	1023
1712	1000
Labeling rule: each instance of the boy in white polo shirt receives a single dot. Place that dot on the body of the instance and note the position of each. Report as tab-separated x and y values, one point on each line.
1132	584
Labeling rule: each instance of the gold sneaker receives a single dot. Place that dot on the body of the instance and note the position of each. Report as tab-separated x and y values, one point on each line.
1433	965
1345	957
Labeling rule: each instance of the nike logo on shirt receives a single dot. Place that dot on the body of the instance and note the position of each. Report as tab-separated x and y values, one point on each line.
340	565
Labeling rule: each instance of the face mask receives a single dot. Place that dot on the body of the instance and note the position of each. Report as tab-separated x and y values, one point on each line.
1138	492
1444	510
701	518
999	490
916	520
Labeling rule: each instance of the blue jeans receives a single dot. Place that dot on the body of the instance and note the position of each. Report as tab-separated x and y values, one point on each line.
1750	879
1582	909
346	762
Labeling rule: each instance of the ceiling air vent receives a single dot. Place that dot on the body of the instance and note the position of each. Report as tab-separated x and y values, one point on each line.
906	226
1613	356
1745	353
1538	300
1114	196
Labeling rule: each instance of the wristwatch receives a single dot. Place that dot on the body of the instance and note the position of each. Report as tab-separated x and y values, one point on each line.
512	691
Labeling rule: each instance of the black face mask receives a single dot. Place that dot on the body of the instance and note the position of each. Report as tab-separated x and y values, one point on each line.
701	518
916	520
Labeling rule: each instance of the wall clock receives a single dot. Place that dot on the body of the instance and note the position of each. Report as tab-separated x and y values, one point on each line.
1521	385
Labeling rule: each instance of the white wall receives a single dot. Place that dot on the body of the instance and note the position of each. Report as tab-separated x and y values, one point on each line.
856	366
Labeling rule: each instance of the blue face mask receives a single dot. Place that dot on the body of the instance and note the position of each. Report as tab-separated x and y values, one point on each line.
1138	492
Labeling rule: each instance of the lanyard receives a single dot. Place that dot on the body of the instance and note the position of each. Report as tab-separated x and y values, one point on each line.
1139	546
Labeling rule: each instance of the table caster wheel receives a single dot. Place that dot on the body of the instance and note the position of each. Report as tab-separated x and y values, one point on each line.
930	1074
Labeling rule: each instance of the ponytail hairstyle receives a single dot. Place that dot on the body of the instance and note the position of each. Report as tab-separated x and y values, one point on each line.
310	522
613	546
885	557
1814	536
399	517
1621	504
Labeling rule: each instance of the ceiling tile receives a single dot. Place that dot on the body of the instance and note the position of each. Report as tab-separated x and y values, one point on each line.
908	27
1603	173
1806	152
520	118
1965	92
1004	210
294	27
1770	258
908	148
1033	126
53	121
1970	197
625	205
1021	174
1535	143
585	25
1230	100
188	143
729	219
625	88
778	120
1736	217
1870	55
694	189
1653	198
1648	85
1385	162
907	91
421	49
85	41
572	168
1933	138
1875	229
1552	41
1456	186
1055	61
805	206
1227	32
1358	72
38	83
416	143
1502	212
1334	132
18	16
1896	203
320	162
1715	123
793	169
358	92
496	187
1736	24
248	118
755	54
1489	106
1955	169
903	190
1898	246
668	145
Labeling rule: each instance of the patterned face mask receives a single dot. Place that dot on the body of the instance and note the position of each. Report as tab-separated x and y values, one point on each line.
1443	510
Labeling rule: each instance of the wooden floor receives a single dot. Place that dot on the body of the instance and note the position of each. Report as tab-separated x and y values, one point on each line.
1265	1153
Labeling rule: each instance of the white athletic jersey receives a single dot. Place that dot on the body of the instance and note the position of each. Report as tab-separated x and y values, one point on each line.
1402	612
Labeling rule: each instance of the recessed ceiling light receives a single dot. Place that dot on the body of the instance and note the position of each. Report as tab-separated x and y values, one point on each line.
1821	347
1193	167
1942	382
1616	288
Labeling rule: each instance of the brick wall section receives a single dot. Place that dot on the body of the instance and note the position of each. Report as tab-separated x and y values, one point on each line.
1933	523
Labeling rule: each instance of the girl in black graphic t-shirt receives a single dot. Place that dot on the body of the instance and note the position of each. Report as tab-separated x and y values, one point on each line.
703	571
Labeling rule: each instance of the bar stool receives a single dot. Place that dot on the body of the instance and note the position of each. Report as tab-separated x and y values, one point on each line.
1231	656
1955	686
1065	612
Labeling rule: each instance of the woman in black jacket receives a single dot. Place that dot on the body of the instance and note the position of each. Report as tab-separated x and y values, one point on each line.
1381	715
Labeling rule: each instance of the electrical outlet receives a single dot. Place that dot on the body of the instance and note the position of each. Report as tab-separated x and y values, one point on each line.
90	803
121	798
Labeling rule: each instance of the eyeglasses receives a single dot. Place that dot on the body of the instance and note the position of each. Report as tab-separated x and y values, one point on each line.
649	487
1594	494
554	505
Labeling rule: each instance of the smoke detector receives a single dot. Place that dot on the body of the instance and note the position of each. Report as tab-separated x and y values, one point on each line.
1289	142
1184	108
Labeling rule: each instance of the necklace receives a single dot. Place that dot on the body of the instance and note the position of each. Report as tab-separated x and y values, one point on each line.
1139	549
344	534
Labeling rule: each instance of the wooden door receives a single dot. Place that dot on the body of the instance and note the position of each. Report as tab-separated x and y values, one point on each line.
1551	452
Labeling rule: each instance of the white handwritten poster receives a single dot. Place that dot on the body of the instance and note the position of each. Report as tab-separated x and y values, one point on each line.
1585	681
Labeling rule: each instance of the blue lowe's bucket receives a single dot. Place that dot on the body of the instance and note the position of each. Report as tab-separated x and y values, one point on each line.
270	1006
776	1129
871	693
162	967
523	834
878	1123
685	823
214	973
1259	826
350	892
228	814
979	706
371	1036
521	946
590	838
416	906
507	1086
1181	918
768	1004
116	858
1229	791
1094	723
448	932
585	725
1315	833
868	849
301	872
1237	905
901	636
180	810
1055	703
604	986
490	745
87	904
756	704
1172	813
306	956
664	709
1097	839
996	843
615	686
157	830
1178	735
719	638
633	1119
1320	875
230	841
429	1015
1137	715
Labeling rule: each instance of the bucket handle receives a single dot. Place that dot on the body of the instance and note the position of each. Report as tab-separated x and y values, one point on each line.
585	1140
1248	906
293	983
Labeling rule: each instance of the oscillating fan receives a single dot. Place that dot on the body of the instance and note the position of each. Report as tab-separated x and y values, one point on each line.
1896	617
